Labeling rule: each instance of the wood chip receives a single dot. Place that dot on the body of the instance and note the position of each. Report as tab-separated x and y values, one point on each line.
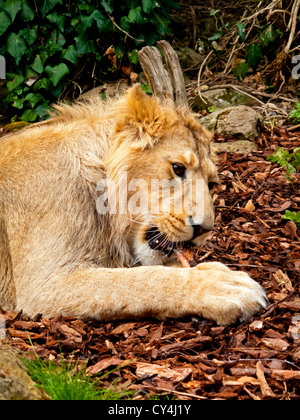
265	388
163	372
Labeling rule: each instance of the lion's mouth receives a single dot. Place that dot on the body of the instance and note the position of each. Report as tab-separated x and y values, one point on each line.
159	242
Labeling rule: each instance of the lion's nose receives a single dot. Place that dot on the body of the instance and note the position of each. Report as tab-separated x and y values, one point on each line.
198	229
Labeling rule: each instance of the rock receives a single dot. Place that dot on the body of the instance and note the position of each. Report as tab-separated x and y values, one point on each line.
15	384
239	121
109	90
220	99
239	146
189	57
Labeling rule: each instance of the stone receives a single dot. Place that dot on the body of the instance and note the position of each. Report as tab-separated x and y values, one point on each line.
189	57
219	98
238	121
238	146
108	90
15	383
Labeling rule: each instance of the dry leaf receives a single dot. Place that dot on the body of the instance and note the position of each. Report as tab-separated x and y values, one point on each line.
283	281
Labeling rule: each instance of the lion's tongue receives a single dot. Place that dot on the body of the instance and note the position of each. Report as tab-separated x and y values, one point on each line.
182	259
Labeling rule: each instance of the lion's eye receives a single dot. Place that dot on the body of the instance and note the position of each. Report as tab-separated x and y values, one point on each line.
179	170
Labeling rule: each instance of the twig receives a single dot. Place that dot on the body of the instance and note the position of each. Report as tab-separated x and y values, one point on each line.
171	391
200	72
250	266
293	20
228	86
122	30
295	127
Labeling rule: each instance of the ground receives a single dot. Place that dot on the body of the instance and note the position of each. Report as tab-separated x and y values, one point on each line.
194	358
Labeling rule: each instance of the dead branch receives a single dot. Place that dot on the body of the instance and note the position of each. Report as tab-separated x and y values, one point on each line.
152	64
167	81
175	73
292	24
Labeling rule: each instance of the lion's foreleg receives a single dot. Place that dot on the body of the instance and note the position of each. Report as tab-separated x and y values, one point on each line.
209	290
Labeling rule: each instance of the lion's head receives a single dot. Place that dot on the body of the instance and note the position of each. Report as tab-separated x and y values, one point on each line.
163	175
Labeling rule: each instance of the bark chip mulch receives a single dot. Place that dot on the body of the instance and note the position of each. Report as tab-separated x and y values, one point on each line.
194	358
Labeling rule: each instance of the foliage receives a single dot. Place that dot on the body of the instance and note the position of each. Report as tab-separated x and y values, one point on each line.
295	217
260	41
51	46
295	114
255	52
289	161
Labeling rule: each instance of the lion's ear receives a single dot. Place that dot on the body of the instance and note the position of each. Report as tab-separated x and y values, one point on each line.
145	115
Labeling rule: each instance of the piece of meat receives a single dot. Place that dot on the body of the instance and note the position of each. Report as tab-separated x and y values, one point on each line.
184	257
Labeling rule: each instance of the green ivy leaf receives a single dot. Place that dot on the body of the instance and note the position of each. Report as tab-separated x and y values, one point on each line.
4	22
254	56
43	111
41	84
125	23
242	30
170	4
15	82
161	24
48	5
133	57
30	35
29	115
33	99
57	73
59	20
70	54
27	13
148	5
269	35
19	103
16	46
103	23
240	71
12	7
56	42
135	15
38	64
106	4
216	36
84	45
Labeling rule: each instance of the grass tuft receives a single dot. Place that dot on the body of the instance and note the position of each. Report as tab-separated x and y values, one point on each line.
65	382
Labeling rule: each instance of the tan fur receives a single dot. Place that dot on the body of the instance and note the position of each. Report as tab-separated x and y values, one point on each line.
59	255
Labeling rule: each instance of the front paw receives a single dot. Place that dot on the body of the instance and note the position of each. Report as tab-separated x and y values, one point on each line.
227	296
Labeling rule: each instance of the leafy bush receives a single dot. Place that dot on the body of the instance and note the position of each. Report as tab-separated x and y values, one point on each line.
51	46
289	161
256	51
295	217
295	114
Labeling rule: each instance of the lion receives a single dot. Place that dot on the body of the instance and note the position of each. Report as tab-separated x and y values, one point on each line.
59	254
